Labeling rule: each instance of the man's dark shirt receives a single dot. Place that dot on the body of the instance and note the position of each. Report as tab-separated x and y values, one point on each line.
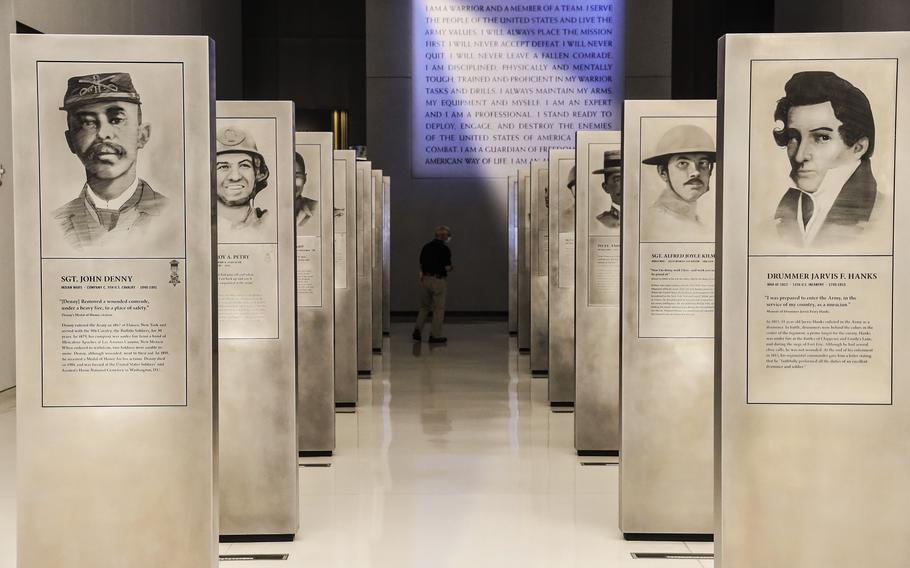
434	257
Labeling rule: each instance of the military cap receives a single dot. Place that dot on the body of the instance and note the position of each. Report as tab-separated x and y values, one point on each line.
232	139
682	139
97	87
571	183
612	162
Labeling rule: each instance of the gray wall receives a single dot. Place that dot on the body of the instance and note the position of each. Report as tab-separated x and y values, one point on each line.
476	209
311	53
841	15
217	18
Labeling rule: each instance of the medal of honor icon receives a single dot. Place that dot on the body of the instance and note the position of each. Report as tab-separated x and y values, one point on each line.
175	277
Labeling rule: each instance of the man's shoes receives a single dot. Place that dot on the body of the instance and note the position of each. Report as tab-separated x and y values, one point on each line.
416	335
437	339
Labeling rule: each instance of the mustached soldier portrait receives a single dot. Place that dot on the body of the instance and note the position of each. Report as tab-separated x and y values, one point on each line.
106	132
241	175
683	161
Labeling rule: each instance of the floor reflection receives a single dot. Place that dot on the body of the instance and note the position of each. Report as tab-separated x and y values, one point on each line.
453	458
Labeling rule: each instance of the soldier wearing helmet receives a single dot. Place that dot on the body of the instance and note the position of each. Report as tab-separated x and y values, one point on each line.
684	158
241	173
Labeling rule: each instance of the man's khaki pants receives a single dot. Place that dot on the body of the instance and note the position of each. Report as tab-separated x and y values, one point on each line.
432	297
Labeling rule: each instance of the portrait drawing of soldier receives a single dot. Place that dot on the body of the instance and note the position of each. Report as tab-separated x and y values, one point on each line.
106	132
306	208
606	207
684	158
827	128
241	174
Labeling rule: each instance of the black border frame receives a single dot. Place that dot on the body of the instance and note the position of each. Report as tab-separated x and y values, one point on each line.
749	256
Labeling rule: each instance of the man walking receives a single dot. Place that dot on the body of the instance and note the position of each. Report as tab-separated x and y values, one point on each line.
435	265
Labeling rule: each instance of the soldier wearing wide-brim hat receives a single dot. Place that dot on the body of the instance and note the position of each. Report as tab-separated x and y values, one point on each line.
106	131
571	183
684	157
241	173
612	185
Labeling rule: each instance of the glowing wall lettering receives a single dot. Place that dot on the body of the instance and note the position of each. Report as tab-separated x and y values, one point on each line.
497	83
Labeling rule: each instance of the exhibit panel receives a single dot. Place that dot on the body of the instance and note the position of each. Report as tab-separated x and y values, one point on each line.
115	294
811	378
539	183
561	279
345	211
667	398
257	420
524	260
314	197
376	270
598	210
386	256
364	268
512	221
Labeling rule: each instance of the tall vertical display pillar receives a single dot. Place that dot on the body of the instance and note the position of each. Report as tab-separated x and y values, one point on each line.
345	211
386	256
598	211
376	273
315	294
115	294
667	467
512	224
561	280
812	372
540	266
364	268
524	260
254	186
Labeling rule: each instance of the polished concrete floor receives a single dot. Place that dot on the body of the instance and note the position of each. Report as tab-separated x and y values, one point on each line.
453	458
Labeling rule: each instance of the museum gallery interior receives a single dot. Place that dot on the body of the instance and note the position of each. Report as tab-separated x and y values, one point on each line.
454	283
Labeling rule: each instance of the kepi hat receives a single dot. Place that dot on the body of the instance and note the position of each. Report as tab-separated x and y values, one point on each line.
85	89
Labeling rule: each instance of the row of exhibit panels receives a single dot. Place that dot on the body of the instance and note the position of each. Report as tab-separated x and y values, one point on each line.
734	302
189	307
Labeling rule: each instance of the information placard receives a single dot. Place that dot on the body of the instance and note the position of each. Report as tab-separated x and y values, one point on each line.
364	267
666	473
309	182
540	265
346	290
597	269
257	355
821	253
339	213
812	325
524	259
314	222
561	280
115	300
